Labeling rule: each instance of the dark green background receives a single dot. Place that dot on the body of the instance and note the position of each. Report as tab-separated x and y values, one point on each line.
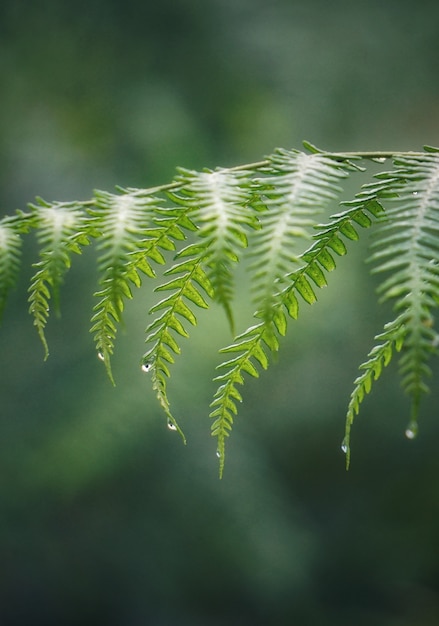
105	517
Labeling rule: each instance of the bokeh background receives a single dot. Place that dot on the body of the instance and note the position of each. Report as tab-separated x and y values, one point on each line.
105	517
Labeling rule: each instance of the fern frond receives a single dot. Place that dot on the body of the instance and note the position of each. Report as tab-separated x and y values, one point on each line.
189	285
295	188
251	346
122	221
407	247
329	241
10	256
317	261
267	212
222	208
60	233
168	226
390	340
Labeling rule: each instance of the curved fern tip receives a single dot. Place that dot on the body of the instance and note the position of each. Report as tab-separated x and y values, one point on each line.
43	339
346	449
174	427
105	358
220	454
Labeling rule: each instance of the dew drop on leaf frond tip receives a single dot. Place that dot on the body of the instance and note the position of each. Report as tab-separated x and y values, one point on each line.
411	431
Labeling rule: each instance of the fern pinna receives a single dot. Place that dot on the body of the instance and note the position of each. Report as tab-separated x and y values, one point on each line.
203	225
292	188
10	255
59	233
407	249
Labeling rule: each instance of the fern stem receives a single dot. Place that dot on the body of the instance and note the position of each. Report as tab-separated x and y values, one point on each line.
380	154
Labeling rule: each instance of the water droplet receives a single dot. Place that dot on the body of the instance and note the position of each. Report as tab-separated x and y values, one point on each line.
412	430
218	454
380	159
146	367
415	193
101	356
171	425
344	446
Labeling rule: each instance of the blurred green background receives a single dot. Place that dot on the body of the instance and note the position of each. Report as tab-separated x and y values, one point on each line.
105	517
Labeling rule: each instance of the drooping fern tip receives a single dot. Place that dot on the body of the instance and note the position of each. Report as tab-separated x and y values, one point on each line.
275	216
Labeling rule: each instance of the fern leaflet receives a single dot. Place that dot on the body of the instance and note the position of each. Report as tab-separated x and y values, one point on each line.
122	220
407	247
10	256
222	208
253	343
391	339
295	188
250	345
188	279
60	233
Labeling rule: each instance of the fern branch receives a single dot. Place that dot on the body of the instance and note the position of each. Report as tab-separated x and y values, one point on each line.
407	247
319	258
296	187
60	233
188	284
251	345
10	256
221	206
391	340
122	220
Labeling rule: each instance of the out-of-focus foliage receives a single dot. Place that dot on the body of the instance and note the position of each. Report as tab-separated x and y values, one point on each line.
105	517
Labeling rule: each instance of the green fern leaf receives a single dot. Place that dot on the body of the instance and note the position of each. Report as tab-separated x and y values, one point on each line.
169	226
128	238
294	189
250	346
407	247
190	286
319	258
390	340
10	256
222	208
60	233
11	227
